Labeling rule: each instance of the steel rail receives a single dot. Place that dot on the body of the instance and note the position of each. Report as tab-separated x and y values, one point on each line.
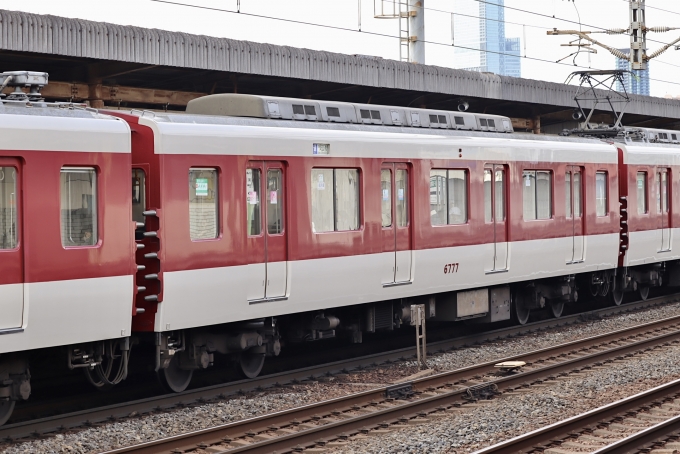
577	423
311	436
643	438
111	413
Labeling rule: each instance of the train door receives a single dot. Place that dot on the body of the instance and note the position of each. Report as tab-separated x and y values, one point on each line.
396	226
663	207
574	214
267	242
495	212
11	248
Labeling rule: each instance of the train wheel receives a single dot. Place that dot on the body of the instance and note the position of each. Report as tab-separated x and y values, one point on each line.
556	308
520	312
644	292
251	364
6	409
617	296
174	378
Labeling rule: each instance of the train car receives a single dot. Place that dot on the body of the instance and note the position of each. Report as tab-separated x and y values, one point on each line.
265	228
66	238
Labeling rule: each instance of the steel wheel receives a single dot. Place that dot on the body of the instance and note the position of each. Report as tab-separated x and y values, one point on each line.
520	313
644	292
617	296
6	409
556	308
173	378
251	364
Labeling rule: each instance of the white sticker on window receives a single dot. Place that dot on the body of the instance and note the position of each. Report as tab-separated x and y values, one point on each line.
400	193
201	187
252	198
386	194
273	198
527	181
321	185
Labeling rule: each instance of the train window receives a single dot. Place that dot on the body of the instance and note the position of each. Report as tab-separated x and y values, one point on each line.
78	207
138	195
488	209
253	211
203	204
500	194
662	194
642	201
448	197
402	197
567	192
386	199
537	194
601	205
274	201
335	200
8	208
577	194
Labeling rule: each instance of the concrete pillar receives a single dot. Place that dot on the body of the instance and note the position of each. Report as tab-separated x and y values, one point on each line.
95	95
417	31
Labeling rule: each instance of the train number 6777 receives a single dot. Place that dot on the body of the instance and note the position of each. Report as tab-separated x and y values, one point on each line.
450	268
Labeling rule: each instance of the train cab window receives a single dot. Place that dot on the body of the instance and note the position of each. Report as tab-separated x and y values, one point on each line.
78	197
386	197
335	200
601	202
203	204
253	211
8	208
448	196
642	200
138	195
537	194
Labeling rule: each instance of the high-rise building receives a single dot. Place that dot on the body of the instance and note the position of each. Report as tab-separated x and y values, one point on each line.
638	82
479	36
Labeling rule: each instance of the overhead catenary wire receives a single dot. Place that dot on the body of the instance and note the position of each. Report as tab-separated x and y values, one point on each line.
378	34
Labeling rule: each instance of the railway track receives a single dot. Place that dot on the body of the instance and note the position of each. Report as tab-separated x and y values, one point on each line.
101	415
646	422
325	424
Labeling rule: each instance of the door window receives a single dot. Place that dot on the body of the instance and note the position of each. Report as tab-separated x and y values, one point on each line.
138	195
577	194
78	207
601	205
500	195
253	212
402	198
488	206
274	201
386	197
567	192
8	208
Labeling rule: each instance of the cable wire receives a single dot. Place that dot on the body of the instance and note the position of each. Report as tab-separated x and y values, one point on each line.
383	35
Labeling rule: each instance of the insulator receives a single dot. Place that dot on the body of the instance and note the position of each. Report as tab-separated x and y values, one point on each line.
660	29
616	31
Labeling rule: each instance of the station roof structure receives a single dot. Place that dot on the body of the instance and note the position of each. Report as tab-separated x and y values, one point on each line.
115	65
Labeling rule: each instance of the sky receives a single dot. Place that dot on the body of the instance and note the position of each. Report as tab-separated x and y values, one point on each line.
341	19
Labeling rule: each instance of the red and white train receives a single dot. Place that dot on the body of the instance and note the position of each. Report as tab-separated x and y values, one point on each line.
254	220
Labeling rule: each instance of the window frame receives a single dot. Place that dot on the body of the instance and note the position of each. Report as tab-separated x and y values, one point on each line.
359	201
218	211
607	211
466	174
551	197
95	198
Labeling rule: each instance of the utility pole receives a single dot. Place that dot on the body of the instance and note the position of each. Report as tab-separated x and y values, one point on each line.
411	15
637	30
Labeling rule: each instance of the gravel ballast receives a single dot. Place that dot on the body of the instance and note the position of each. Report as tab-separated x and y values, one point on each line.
460	432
